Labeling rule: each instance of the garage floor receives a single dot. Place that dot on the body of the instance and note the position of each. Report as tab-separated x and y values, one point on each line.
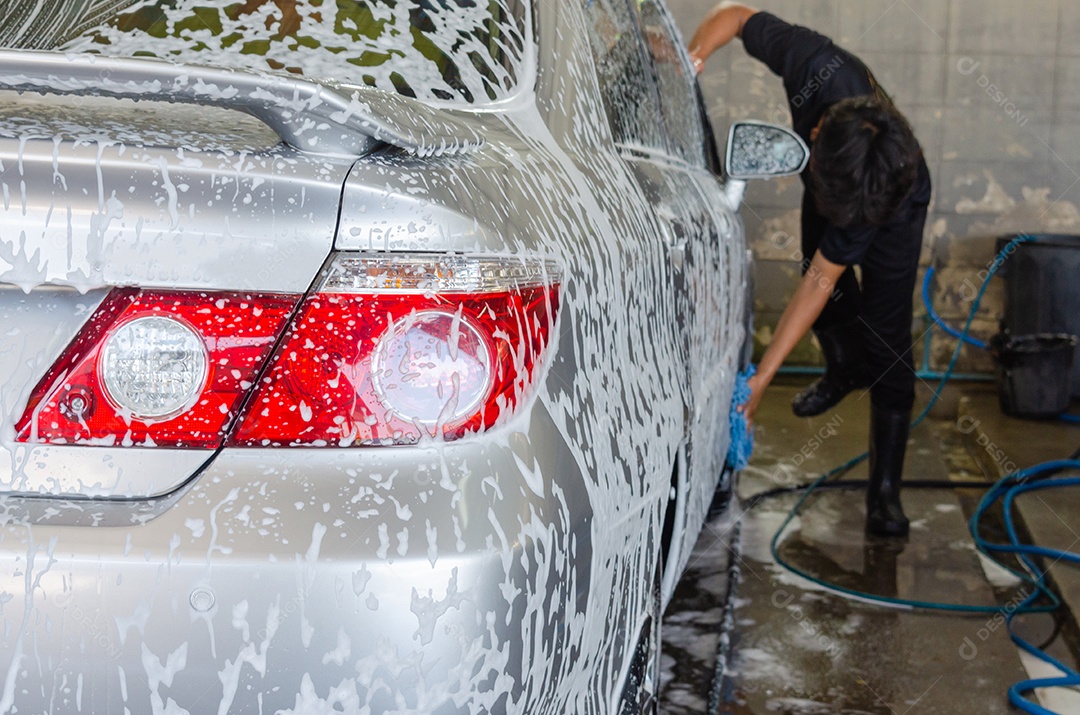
785	645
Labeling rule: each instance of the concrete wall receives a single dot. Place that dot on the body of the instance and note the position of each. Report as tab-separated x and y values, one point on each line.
991	87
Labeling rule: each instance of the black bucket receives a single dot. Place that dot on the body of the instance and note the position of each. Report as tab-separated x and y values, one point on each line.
1034	373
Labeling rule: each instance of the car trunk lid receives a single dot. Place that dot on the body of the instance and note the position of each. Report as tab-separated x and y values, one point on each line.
174	182
102	193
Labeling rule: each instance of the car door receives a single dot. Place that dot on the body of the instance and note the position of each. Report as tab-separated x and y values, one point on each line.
646	87
710	266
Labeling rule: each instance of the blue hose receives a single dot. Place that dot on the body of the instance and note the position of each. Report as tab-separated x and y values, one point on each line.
1006	490
963	337
927	280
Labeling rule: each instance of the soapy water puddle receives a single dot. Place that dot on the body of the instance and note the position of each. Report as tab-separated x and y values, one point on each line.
786	645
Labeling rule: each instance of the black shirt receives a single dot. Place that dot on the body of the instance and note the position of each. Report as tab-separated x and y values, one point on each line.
817	74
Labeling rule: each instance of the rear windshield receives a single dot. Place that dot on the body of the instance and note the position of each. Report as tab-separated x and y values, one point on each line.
447	50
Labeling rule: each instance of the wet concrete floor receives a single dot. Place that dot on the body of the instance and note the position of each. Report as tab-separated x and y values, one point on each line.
793	647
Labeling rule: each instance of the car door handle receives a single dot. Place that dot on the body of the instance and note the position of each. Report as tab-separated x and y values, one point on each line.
678	254
676	244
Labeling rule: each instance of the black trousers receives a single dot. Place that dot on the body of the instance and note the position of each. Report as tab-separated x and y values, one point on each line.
881	306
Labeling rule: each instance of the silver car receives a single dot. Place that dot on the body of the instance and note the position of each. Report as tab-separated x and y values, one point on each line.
358	356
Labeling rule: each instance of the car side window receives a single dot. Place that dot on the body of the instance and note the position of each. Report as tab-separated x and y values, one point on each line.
627	86
678	97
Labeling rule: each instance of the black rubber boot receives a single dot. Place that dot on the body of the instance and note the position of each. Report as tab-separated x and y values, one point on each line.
888	442
845	370
880	557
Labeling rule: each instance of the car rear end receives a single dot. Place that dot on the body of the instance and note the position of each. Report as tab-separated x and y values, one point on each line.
251	461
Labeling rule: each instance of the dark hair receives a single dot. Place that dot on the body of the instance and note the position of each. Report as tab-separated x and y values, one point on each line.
864	162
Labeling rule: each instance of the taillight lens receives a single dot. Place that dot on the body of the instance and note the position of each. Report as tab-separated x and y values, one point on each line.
153	367
156	368
393	349
432	366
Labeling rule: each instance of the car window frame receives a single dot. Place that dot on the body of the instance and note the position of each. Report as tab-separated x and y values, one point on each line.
701	155
711	147
663	147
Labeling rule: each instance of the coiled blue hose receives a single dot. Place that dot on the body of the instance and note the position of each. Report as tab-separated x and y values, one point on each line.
1007	489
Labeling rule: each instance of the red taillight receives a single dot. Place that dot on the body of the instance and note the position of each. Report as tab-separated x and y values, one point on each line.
156	368
393	349
390	349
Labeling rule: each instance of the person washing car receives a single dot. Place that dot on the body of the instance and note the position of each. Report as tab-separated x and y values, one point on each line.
866	192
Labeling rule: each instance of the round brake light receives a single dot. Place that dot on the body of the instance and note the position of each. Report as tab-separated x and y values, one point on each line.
432	367
154	367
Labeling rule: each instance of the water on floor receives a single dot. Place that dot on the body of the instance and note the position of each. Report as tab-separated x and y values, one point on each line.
792	646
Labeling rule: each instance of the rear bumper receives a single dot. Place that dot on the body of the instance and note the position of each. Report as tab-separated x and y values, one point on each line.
379	580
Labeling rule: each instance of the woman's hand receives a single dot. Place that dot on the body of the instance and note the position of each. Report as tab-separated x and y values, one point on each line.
802	310
757	384
723	23
699	63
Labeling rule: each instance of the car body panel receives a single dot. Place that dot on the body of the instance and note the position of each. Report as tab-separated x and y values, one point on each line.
105	192
509	571
91	208
698	243
358	569
308	116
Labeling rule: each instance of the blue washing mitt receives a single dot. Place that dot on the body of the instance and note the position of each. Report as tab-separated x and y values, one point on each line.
742	436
